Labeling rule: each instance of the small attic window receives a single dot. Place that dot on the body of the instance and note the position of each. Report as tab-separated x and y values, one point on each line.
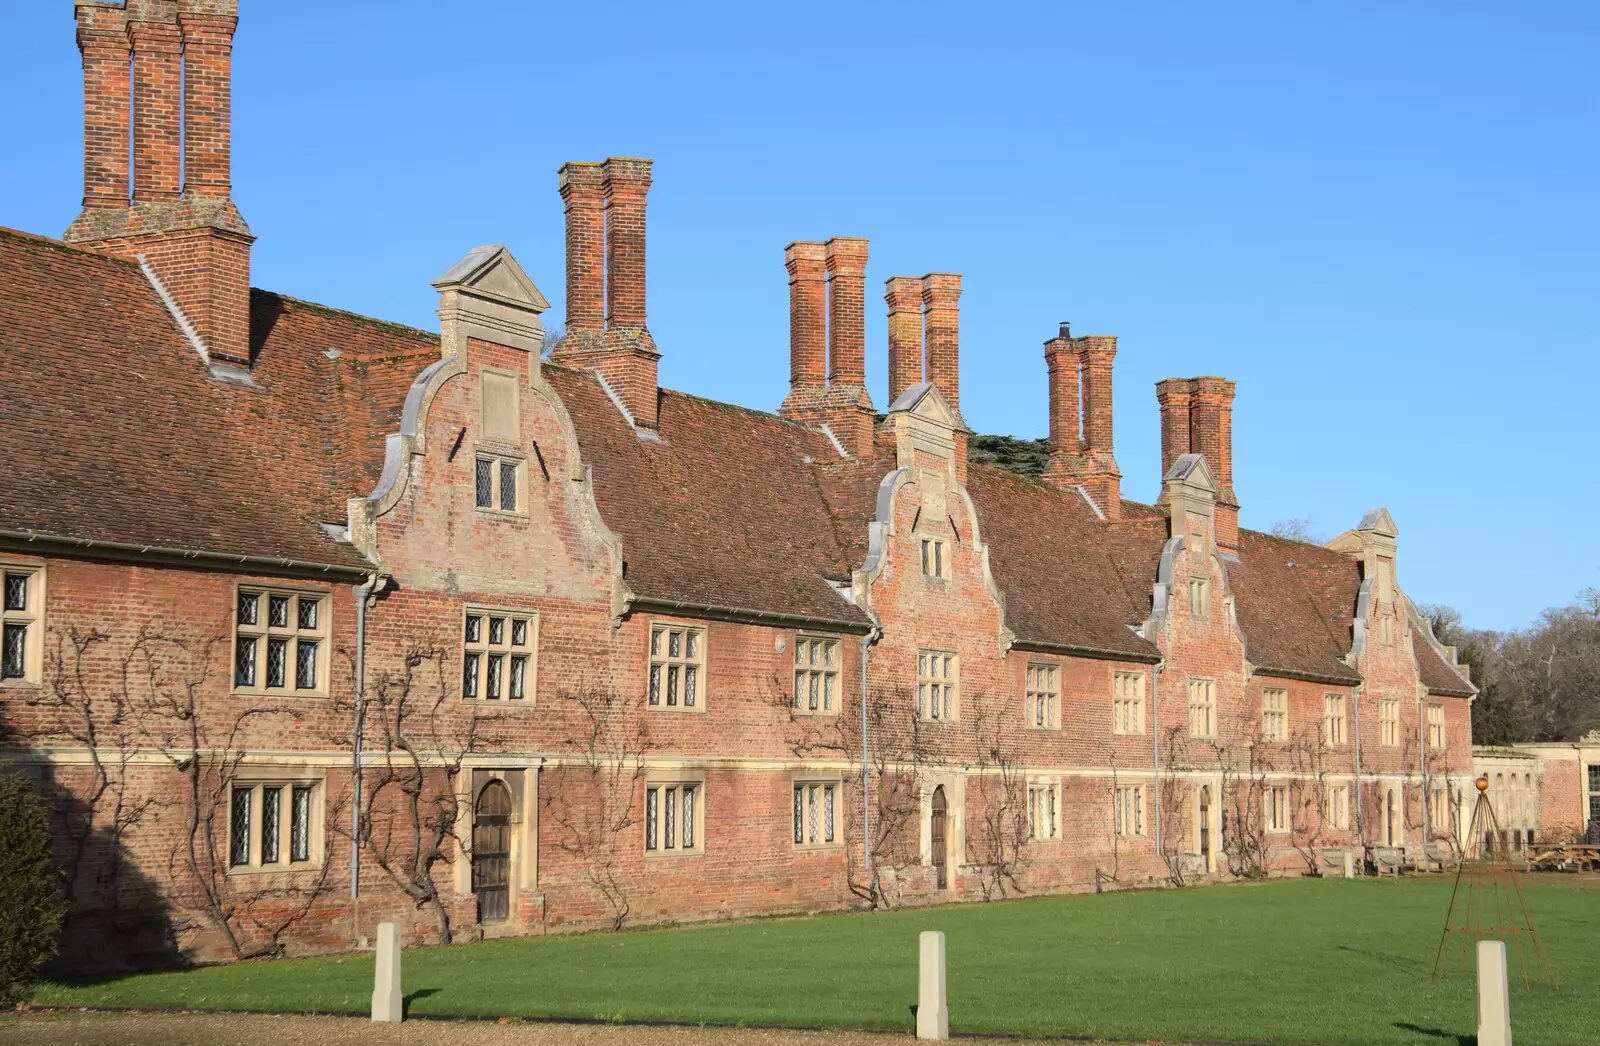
499	408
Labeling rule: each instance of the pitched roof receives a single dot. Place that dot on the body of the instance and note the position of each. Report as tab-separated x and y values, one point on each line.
721	511
113	430
1286	631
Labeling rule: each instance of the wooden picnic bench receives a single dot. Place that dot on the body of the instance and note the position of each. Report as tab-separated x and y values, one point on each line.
1572	856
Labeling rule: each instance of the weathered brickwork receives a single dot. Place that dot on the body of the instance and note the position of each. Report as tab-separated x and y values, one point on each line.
392	625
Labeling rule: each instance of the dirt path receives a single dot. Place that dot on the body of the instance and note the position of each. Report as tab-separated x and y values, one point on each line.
73	1028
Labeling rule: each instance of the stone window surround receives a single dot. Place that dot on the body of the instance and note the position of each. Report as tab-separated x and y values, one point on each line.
660	781
1050	790
1276	813
926	683
1127	804
317	829
33	655
322	635
484	647
1274	713
701	662
496	458
936	556
1209	688
1389	722
1336	806
1200	598
1118	725
820	782
1335	720
1042	682
1437	737
803	672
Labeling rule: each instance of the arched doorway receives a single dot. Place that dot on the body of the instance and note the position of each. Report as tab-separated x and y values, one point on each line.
938	845
491	852
1391	830
1205	827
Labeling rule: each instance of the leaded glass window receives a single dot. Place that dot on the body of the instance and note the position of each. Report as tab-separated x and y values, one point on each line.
239	850
1275	714
279	646
497	655
258	814
271	817
937	681
1043	696
677	659
816	675
1042	811
20	643
496	482
813	812
670	811
1127	702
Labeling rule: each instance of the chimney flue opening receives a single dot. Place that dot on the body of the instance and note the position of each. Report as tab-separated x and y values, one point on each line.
1066	328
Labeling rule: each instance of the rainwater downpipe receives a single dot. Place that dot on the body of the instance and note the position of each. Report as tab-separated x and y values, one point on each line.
866	777
1155	735
1361	824
362	592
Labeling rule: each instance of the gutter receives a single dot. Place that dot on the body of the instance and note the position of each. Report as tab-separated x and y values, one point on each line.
1073	650
122	551
363	592
747	616
866	777
1355	708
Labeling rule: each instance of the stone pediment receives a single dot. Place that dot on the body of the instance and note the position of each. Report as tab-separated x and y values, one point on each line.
926	403
1192	470
1378	521
487	296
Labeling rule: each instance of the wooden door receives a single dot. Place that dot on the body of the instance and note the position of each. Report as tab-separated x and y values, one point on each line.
1205	827
940	848
491	852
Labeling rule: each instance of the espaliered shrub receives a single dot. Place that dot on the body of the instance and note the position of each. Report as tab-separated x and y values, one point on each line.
31	908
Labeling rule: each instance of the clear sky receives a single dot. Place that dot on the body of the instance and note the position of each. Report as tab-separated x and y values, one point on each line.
1379	219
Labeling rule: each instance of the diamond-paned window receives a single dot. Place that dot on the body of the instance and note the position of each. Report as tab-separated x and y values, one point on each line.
283	649
816	675
20	626
496	484
497	656
258	815
677	660
814	813
670	812
938	681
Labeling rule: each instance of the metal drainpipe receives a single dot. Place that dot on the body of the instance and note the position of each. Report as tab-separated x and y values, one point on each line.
866	782
1355	707
362	591
1155	734
1422	768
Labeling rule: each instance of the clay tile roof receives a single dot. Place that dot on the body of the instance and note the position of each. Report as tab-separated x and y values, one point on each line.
722	511
1051	560
1286	630
1436	674
113	430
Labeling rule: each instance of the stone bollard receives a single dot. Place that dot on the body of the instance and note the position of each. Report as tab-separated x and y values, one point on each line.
933	1015
1349	865
1494	995
387	995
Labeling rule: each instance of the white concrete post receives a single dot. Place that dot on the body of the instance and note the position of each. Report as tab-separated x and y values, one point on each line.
1349	865
1494	995
933	1015
387	995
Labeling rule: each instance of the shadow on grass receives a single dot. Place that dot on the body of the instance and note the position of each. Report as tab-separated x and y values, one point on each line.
1399	962
1438	1033
411	997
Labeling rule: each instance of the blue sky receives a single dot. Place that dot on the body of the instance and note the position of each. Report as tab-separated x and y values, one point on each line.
1379	219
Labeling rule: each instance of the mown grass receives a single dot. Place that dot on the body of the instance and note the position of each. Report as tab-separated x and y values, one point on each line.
1299	961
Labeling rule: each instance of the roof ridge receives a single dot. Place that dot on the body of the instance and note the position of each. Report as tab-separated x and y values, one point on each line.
9	233
333	310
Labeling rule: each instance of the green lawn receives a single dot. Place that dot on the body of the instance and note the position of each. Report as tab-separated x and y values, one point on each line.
1299	961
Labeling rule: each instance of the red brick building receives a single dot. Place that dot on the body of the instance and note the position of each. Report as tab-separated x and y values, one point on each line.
313	620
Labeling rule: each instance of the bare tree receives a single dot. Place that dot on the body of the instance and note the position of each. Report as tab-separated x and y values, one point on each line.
1244	768
1297	529
1308	794
411	803
1175	794
1000	786
595	801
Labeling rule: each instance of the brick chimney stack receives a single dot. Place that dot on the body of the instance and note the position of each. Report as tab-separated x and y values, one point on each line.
606	328
1197	417
178	220
903	294
848	413
808	329
1089	461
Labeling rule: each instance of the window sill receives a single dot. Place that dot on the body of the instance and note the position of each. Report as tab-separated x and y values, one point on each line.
819	713
1041	729
498	702
500	513
812	848
23	683
667	855
298	868
304	695
1127	733
678	709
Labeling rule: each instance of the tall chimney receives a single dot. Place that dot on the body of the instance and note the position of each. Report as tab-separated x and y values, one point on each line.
1174	396
1090	461
207	100
1211	434
583	192
848	413
808	330
157	43
941	295
103	42
616	345
904	297
627	182
191	237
